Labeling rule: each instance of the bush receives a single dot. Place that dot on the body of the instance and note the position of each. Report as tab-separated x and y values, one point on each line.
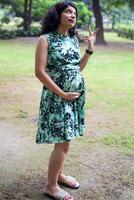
33	31
126	31
5	20
8	34
5	34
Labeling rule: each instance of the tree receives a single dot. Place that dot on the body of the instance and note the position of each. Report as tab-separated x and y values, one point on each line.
94	5
34	9
40	7
28	9
110	6
131	4
27	14
98	22
17	7
117	10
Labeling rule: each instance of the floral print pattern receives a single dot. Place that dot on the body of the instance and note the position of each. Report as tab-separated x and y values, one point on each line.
61	120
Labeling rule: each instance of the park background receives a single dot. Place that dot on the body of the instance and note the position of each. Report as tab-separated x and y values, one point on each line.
103	159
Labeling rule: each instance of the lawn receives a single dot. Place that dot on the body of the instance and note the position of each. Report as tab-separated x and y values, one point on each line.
104	154
109	77
110	36
16	60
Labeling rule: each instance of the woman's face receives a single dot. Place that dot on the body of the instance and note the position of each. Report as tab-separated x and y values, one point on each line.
68	17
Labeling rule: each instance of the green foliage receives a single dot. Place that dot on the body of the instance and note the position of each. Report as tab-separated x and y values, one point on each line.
17	7
33	31
131	4
5	34
5	20
125	31
111	4
84	15
4	15
117	11
40	7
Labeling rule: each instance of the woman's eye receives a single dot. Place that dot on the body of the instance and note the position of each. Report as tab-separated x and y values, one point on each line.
68	12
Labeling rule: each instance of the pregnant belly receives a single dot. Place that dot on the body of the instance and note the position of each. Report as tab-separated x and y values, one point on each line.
69	80
73	81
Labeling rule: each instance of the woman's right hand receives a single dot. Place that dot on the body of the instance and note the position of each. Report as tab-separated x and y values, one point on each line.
70	95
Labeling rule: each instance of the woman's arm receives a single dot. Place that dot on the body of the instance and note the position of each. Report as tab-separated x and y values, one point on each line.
41	57
90	40
40	66
84	60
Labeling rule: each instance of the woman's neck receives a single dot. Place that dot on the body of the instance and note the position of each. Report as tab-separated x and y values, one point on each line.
62	30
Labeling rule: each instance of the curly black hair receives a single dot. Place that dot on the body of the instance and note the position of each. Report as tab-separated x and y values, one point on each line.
51	20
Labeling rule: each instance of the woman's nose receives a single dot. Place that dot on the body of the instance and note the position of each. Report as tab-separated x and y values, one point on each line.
73	16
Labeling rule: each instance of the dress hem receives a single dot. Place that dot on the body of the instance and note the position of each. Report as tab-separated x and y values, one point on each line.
61	141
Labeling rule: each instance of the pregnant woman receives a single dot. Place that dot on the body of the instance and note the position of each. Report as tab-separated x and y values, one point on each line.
61	115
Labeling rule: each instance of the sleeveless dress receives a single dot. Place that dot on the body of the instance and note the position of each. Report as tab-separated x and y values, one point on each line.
61	120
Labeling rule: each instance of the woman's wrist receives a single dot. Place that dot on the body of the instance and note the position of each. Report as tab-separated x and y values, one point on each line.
89	51
62	94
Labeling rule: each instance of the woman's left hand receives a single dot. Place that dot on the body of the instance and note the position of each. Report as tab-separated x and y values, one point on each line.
91	39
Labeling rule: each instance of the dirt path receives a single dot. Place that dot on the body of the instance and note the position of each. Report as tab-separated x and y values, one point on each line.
104	174
13	147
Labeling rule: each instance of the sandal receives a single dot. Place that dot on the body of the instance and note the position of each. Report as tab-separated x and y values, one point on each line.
61	195
73	185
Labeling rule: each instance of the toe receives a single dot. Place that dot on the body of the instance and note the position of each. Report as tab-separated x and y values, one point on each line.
68	197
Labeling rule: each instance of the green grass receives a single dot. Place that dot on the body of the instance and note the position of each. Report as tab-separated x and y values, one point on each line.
123	141
108	72
16	59
109	77
110	37
113	37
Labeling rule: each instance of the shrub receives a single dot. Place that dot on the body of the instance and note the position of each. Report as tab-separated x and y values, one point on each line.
33	31
9	34
5	34
126	31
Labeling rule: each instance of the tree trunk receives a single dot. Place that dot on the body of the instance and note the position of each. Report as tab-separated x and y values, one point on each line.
27	14
113	22
98	22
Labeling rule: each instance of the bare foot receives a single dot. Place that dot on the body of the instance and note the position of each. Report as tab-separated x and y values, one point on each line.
51	189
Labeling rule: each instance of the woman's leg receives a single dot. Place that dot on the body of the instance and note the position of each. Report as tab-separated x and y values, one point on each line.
67	180
55	163
62	178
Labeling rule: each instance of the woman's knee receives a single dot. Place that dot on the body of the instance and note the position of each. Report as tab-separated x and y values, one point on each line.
63	147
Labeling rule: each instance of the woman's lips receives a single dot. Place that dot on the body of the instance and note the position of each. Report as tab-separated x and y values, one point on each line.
71	20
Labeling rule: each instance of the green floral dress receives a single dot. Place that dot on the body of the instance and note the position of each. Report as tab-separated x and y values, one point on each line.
61	120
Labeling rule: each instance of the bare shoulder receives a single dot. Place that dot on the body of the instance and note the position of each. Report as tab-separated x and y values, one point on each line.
42	41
